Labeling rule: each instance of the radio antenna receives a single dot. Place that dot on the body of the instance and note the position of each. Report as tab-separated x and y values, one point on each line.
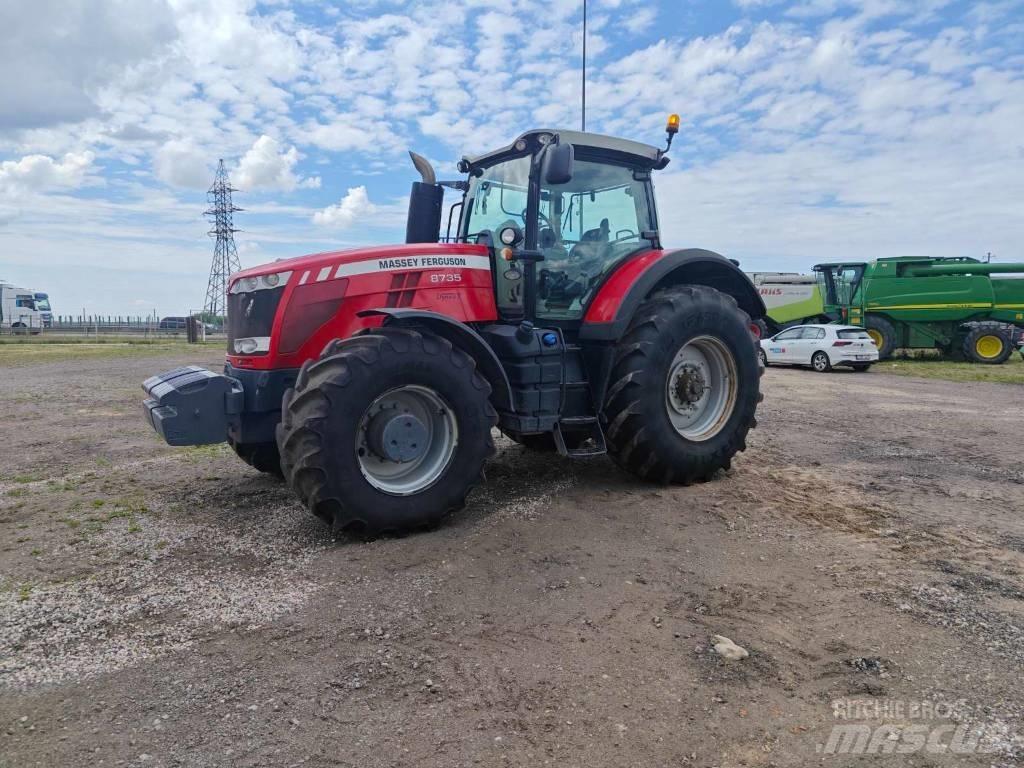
584	81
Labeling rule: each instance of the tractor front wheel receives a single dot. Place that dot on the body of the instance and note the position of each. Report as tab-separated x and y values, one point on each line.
684	386
388	431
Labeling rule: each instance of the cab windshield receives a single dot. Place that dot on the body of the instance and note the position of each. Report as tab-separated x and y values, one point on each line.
43	305
839	283
497	198
584	229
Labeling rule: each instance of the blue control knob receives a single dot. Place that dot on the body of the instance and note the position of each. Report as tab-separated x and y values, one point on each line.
549	339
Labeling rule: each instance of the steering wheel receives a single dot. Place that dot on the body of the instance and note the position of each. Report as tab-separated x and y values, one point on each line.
543	217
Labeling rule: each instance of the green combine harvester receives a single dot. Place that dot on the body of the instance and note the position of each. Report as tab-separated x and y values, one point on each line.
959	305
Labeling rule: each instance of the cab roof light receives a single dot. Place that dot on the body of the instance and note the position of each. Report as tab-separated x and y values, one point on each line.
671	128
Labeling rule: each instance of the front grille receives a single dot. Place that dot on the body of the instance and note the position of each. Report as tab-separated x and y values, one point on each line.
251	314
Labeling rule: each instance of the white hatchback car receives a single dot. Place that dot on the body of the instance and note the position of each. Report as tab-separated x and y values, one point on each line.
821	347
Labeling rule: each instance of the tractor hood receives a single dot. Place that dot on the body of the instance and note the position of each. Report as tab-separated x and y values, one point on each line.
330	264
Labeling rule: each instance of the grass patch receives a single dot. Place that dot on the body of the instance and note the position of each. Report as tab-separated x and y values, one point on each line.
195	454
24	592
30	478
21	354
1010	372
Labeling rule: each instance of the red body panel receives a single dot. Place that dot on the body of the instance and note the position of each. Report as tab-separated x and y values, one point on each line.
452	279
609	297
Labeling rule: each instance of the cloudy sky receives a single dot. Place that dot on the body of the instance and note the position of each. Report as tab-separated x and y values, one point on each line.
812	130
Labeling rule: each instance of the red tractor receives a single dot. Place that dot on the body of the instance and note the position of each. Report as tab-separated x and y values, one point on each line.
371	379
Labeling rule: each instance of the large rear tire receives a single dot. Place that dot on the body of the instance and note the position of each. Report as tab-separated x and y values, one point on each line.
987	342
388	431
684	386
883	333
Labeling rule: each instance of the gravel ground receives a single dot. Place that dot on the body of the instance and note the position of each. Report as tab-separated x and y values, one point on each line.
173	607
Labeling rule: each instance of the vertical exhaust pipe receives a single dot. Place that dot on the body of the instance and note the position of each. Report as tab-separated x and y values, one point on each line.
426	201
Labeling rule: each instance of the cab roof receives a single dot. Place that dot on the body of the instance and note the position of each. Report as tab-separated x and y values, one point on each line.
643	154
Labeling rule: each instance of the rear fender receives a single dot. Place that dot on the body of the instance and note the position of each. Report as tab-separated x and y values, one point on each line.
463	337
610	312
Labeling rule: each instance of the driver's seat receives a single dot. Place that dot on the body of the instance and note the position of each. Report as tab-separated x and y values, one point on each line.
589	246
599	235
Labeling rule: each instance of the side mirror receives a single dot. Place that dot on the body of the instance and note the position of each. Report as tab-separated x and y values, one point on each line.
558	162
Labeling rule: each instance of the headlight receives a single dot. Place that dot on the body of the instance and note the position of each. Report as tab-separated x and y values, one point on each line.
511	235
252	345
260	283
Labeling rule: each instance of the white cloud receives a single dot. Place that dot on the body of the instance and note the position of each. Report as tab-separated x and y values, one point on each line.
181	163
267	165
8	213
40	173
355	206
641	20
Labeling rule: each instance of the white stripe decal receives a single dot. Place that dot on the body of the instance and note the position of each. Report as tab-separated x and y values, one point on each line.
405	263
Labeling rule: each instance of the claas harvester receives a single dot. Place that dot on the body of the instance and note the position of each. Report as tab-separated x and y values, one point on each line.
967	309
371	379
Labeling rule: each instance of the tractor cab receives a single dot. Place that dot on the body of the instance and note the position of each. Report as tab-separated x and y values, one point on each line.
574	204
840	290
560	209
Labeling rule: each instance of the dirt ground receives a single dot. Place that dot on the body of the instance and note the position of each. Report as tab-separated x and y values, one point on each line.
173	607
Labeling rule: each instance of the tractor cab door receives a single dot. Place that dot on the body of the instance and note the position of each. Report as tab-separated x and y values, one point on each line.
585	228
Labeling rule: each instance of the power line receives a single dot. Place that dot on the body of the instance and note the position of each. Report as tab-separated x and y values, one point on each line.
225	255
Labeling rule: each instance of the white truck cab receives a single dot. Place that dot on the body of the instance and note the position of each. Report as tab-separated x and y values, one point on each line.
19	311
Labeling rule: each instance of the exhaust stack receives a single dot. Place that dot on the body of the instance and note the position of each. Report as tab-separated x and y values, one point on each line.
425	203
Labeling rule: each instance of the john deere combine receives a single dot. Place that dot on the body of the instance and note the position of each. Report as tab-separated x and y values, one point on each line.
959	305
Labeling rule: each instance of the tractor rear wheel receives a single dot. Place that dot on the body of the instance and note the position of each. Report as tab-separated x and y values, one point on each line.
260	456
684	386
988	343
883	333
386	432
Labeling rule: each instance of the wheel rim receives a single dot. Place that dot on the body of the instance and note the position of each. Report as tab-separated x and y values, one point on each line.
764	357
989	346
876	337
406	440
700	391
820	361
